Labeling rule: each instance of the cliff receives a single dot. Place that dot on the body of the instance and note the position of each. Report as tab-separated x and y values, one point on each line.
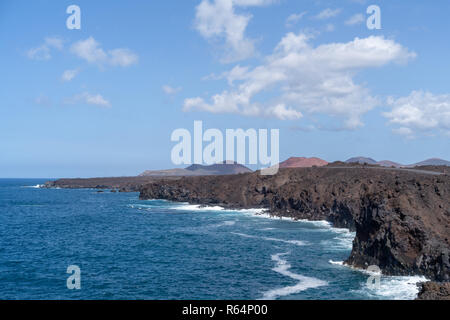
123	184
434	291
401	217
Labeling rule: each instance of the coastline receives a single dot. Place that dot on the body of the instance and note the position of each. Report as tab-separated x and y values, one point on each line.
413	281
388	209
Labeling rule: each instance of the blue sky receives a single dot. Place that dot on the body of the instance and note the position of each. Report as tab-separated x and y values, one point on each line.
104	100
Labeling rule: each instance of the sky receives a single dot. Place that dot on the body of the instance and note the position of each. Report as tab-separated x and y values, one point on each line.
103	100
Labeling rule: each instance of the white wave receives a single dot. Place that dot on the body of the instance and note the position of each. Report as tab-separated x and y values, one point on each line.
394	287
344	241
184	206
228	223
323	224
244	235
34	187
196	207
294	242
304	283
389	287
256	212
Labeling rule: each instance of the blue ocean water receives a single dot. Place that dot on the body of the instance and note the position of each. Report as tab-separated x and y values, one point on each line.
132	249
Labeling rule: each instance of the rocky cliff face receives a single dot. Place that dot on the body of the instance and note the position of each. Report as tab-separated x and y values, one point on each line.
434	291
401	218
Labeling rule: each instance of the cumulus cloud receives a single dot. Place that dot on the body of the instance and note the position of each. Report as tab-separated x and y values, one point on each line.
43	52
171	90
355	19
91	99
294	18
305	80
328	13
91	51
281	112
68	75
218	20
420	112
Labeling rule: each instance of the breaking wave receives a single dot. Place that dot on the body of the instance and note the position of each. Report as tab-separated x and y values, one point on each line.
294	242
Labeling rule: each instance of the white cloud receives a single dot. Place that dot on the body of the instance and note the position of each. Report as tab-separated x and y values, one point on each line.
420	112
68	75
249	3
54	42
91	51
355	19
281	112
122	57
91	99
171	90
294	18
305	80
39	53
328	13
218	19
330	27
43	52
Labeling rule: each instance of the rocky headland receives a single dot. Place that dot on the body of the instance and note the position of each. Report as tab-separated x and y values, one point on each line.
401	217
122	184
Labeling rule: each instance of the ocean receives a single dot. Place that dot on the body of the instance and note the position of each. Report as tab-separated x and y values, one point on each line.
127	248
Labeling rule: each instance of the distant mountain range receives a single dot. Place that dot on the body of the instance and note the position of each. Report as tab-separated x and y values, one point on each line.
225	168
387	163
231	167
301	162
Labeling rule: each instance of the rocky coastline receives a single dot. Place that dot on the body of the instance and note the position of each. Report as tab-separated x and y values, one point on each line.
401	217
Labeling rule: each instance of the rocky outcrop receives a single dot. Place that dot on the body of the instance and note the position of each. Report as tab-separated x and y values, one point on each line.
434	291
401	218
123	184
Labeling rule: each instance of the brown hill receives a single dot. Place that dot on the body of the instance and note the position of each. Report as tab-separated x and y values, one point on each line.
302	162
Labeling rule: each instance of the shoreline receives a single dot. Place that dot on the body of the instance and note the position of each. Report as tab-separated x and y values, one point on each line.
401	217
395	214
407	283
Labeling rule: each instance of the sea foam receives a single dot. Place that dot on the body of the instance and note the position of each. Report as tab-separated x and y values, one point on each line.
294	242
390	287
35	186
304	283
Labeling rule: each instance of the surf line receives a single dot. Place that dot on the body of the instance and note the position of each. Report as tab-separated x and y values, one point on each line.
304	283
193	310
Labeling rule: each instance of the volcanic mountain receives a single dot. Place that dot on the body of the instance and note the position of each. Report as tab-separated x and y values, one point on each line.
388	163
432	162
361	160
302	162
224	168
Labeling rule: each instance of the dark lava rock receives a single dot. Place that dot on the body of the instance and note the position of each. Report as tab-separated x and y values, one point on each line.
434	291
401	217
